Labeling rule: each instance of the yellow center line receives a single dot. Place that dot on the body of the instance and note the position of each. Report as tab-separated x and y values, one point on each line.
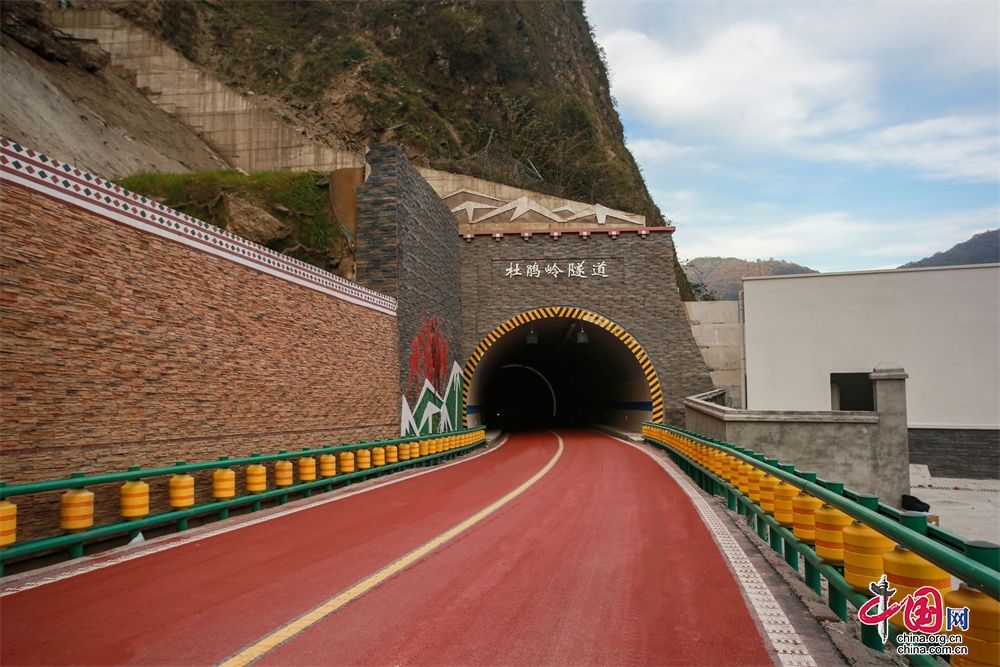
286	632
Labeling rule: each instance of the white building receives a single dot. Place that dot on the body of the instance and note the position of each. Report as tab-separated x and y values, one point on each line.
810	341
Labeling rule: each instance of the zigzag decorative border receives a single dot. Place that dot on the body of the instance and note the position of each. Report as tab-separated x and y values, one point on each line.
75	187
579	314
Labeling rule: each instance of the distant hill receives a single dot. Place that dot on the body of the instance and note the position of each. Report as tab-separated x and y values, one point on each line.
722	277
980	249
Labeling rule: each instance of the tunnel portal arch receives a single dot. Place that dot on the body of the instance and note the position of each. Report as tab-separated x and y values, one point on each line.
618	363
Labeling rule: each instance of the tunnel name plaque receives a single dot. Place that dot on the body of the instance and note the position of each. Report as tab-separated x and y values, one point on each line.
594	269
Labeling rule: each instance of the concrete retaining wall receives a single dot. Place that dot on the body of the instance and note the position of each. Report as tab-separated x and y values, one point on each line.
867	451
717	329
241	132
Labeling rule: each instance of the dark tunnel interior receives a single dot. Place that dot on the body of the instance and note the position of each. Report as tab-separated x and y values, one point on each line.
558	372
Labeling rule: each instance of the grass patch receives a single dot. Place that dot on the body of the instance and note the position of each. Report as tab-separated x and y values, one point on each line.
295	197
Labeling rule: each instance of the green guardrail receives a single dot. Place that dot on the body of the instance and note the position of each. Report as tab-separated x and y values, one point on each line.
73	542
977	563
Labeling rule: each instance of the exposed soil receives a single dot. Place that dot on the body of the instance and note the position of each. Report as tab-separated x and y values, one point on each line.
61	98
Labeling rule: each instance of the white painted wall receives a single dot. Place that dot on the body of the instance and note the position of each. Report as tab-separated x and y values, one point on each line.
942	325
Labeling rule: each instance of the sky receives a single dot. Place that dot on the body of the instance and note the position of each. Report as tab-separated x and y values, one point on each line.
842	136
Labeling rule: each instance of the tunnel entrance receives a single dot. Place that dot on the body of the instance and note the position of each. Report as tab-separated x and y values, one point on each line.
558	367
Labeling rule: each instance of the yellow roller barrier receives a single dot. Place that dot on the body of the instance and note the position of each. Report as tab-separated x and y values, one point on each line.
830	524
346	462
378	456
734	471
8	524
223	484
743	477
76	510
783	495
283	475
327	465
804	509
718	463
181	491
767	486
863	552
256	476
391	454
424	448
363	459
404	452
134	500
983	635
307	469
754	478
908	571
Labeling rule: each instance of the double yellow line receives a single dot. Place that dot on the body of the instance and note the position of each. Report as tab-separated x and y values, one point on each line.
289	630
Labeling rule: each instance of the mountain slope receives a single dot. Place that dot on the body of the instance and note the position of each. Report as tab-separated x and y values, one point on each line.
514	92
722	277
982	248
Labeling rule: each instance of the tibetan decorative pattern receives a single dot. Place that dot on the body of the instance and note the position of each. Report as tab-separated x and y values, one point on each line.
579	314
73	186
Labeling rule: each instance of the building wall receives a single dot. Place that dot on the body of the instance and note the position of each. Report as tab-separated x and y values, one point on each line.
639	294
718	331
408	248
134	335
942	325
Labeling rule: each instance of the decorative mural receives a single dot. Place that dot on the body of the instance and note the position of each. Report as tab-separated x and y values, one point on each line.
432	388
481	210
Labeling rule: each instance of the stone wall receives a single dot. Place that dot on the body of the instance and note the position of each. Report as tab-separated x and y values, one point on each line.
408	248
639	294
124	347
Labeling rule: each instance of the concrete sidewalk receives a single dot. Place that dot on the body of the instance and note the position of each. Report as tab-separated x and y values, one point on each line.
969	508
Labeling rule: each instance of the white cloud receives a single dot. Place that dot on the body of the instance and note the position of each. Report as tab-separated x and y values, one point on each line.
931	37
749	83
836	241
958	147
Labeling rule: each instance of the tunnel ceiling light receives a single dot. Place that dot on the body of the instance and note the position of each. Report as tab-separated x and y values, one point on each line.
532	336
581	336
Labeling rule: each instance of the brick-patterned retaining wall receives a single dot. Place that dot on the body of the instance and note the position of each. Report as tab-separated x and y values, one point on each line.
122	346
408	248
640	294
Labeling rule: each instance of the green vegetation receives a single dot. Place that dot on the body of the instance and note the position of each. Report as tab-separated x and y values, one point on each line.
983	248
299	200
515	92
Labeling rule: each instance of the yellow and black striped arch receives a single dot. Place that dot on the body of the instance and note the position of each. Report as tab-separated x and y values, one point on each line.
577	314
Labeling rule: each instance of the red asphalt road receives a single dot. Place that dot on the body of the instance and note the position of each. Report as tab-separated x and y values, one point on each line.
603	560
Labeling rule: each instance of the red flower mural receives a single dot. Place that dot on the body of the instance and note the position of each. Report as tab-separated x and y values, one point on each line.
428	358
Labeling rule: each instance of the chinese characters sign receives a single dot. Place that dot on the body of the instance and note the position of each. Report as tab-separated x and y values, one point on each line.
558	270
